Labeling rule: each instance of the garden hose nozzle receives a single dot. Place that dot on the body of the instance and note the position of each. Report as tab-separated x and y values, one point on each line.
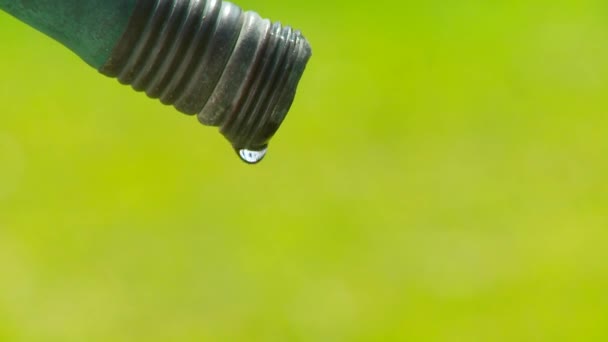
230	68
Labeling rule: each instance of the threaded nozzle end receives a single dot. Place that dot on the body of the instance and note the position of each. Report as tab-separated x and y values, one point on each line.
232	69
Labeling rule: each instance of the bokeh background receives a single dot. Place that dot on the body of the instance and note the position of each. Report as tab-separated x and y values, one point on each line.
443	176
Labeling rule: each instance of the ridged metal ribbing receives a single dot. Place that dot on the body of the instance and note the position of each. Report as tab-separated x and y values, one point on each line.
231	68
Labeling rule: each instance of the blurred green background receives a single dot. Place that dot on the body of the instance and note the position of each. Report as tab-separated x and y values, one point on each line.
443	176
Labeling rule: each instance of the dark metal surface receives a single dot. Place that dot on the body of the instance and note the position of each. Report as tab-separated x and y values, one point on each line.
233	69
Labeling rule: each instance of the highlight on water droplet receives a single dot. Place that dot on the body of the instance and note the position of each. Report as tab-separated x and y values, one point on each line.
252	156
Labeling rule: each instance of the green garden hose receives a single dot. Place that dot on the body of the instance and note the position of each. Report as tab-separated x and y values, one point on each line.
230	68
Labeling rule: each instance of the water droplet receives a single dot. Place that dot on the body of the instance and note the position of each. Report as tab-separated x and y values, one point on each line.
252	156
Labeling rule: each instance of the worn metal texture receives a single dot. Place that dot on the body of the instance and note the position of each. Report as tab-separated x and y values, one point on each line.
231	68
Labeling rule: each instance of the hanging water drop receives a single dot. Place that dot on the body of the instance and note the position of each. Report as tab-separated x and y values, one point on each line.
252	156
